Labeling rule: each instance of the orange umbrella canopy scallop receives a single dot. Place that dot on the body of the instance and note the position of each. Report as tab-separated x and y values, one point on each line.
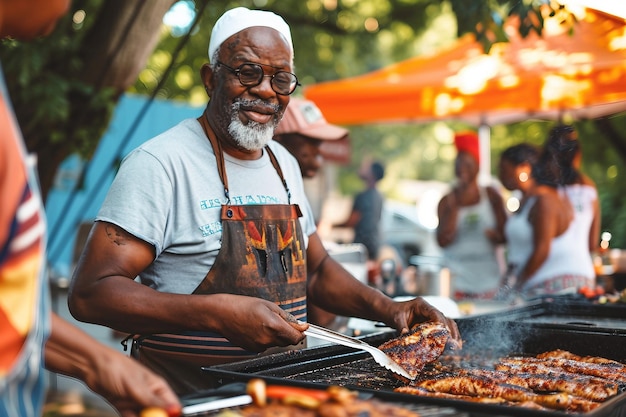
581	72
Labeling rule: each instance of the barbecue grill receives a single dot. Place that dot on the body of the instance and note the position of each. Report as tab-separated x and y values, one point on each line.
571	311
548	324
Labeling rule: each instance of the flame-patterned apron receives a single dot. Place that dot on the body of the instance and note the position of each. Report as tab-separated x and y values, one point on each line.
262	255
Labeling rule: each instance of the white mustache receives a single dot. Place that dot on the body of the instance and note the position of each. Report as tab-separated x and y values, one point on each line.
256	104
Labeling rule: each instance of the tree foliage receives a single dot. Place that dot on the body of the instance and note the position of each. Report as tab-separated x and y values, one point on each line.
64	87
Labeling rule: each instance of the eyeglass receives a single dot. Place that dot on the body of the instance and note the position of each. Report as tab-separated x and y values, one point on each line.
251	75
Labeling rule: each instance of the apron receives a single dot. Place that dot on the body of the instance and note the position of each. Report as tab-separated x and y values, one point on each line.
262	255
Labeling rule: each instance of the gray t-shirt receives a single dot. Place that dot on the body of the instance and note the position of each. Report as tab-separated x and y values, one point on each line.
169	194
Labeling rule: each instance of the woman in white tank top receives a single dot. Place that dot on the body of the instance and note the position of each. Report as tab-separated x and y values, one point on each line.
581	191
548	237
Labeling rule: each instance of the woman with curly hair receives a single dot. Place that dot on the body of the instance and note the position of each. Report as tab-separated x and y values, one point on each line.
546	251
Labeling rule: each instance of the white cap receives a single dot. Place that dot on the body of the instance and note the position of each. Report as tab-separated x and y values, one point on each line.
240	18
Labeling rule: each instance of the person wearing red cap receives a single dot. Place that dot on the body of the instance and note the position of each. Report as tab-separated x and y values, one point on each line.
302	131
471	226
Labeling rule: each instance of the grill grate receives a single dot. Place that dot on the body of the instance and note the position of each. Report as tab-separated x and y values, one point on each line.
487	338
364	373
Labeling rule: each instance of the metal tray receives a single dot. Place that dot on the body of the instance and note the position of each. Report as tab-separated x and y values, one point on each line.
336	365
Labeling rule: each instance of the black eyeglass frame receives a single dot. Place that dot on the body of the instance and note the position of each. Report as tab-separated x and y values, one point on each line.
237	73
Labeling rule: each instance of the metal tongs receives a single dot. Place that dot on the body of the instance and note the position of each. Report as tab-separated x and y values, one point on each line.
379	356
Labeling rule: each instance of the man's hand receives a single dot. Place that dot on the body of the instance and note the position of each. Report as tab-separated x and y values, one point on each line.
125	383
131	387
406	314
256	325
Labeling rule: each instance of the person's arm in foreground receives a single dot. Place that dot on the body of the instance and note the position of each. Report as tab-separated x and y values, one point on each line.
106	270
335	289
124	382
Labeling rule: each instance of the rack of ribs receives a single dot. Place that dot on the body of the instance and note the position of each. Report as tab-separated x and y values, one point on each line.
555	380
530	364
479	386
423	392
589	388
559	353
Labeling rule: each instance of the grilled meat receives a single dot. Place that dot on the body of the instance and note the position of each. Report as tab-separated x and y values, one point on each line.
422	345
478	386
581	405
559	353
423	392
527	364
589	388
556	380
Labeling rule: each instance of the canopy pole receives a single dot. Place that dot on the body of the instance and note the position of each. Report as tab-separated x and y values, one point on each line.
484	137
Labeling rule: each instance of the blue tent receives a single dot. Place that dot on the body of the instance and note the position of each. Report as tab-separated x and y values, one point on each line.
80	186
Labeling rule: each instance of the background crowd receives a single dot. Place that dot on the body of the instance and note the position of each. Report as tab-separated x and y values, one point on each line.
548	241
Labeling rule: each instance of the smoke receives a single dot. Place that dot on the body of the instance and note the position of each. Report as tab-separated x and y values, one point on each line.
489	337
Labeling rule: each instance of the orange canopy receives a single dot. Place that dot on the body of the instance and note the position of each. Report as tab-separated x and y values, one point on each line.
582	73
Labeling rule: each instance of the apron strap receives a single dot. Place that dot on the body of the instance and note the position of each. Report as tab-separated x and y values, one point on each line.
279	171
219	155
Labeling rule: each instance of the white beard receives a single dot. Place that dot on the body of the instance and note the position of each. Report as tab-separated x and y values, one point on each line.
252	136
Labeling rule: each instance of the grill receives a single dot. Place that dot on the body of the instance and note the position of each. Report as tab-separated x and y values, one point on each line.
548	324
567	312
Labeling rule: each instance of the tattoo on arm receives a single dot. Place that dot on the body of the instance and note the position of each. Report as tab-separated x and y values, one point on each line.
117	235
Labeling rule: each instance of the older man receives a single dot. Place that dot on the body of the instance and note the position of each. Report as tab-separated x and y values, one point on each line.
31	335
212	217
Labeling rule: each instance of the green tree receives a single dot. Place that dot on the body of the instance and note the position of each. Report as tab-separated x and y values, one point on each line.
65	87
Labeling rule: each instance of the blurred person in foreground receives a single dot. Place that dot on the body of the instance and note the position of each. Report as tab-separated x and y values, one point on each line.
471	226
302	130
547	253
221	237
31	336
